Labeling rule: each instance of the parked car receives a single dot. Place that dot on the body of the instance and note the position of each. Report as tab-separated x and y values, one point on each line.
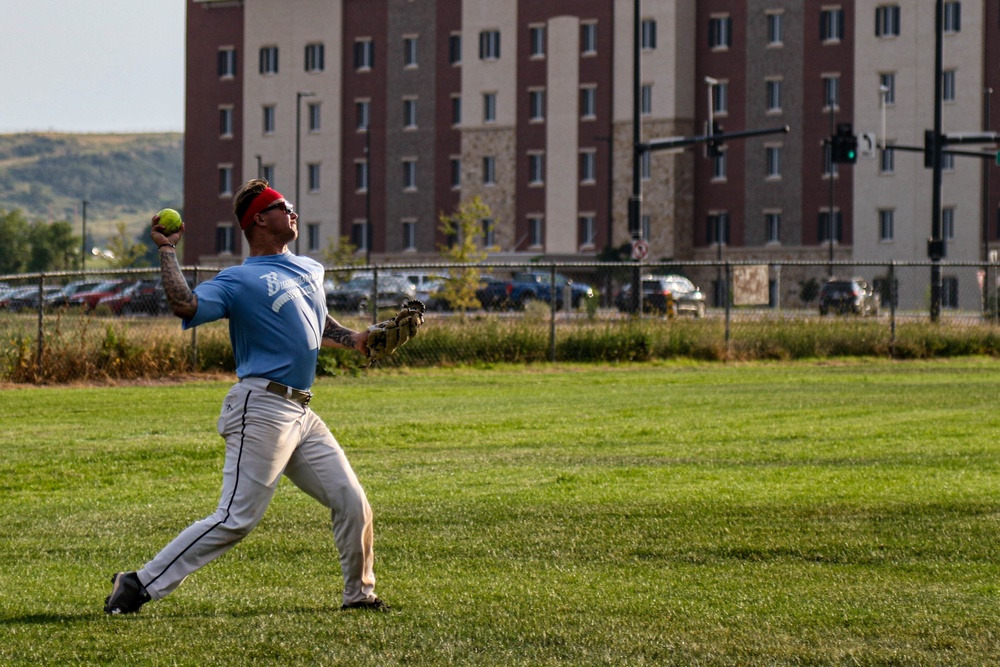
61	299
661	293
355	294
428	286
88	300
493	293
848	296
13	293
27	298
144	297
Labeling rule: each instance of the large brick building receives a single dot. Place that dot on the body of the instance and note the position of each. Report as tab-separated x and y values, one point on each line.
397	110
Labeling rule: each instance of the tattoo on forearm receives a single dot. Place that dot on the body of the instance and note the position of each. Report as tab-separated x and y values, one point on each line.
180	297
338	334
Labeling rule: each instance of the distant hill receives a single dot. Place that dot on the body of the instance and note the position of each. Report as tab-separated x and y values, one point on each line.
123	177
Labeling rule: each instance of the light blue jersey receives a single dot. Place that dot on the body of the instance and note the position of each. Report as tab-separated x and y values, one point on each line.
276	309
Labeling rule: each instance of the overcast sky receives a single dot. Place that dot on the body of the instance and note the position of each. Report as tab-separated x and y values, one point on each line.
92	66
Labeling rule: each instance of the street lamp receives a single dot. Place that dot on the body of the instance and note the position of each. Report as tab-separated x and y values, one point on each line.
298	153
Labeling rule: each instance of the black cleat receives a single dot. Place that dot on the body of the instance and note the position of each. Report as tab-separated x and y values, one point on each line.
375	605
127	595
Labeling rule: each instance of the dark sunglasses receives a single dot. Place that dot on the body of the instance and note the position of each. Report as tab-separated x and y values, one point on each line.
285	206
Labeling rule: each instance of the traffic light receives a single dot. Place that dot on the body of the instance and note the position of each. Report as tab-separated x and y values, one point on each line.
844	144
715	145
929	149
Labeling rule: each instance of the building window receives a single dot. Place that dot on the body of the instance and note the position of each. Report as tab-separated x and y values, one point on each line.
887	81
536	41
456	110
226	63
267	173
886	225
268	60
488	232
831	92
359	235
409	52
226	122
717	228
364	54
719	166
313	176
720	32
312	234
831	24
489	107
409	174
409	235
588	230
454	49
948	85
224	239
409	114
949	292
536	231
774	96
315	119
536	169
829	166
314	57
648	34
489	45
536	105
720	98
456	172
362	114
646	99
952	17
773	155
588	170
947	162
887	21
225	181
588	38
489	170
824	226
646	166
361	175
887	161
268	119
948	223
774	28
588	102
645	227
772	221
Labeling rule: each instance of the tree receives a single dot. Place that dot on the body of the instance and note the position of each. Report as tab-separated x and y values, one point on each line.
14	241
342	254
464	231
126	251
54	247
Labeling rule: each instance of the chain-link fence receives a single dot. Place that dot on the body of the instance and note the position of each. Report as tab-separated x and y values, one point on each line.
116	324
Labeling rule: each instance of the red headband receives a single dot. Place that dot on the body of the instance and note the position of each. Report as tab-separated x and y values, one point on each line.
259	203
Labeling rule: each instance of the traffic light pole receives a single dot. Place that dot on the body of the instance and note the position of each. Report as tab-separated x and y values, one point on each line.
935	247
829	213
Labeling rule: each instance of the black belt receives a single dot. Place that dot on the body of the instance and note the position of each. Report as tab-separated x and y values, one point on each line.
292	394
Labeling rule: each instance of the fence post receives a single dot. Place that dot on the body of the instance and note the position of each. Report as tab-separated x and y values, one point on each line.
725	296
552	313
41	322
892	309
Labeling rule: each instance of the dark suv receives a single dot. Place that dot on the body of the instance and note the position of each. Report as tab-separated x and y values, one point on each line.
845	296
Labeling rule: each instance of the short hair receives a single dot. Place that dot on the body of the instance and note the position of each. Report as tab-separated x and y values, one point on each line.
245	196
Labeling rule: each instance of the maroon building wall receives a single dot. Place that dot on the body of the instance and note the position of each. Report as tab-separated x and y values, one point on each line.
208	28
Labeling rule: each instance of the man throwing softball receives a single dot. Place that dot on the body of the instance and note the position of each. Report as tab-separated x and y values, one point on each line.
277	322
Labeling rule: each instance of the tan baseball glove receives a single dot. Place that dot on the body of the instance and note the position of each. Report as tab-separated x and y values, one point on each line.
386	337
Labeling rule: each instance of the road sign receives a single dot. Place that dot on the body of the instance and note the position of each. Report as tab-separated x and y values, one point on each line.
867	143
640	249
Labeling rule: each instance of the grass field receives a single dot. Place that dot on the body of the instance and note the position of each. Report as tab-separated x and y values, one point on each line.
808	513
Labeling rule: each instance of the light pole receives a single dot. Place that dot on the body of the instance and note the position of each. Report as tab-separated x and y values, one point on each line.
710	130
368	191
298	153
83	254
833	173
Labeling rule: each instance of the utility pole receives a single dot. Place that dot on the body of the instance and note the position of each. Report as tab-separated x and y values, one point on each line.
635	202
935	247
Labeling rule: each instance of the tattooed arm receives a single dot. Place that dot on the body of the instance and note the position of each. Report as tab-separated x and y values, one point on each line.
337	335
182	300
